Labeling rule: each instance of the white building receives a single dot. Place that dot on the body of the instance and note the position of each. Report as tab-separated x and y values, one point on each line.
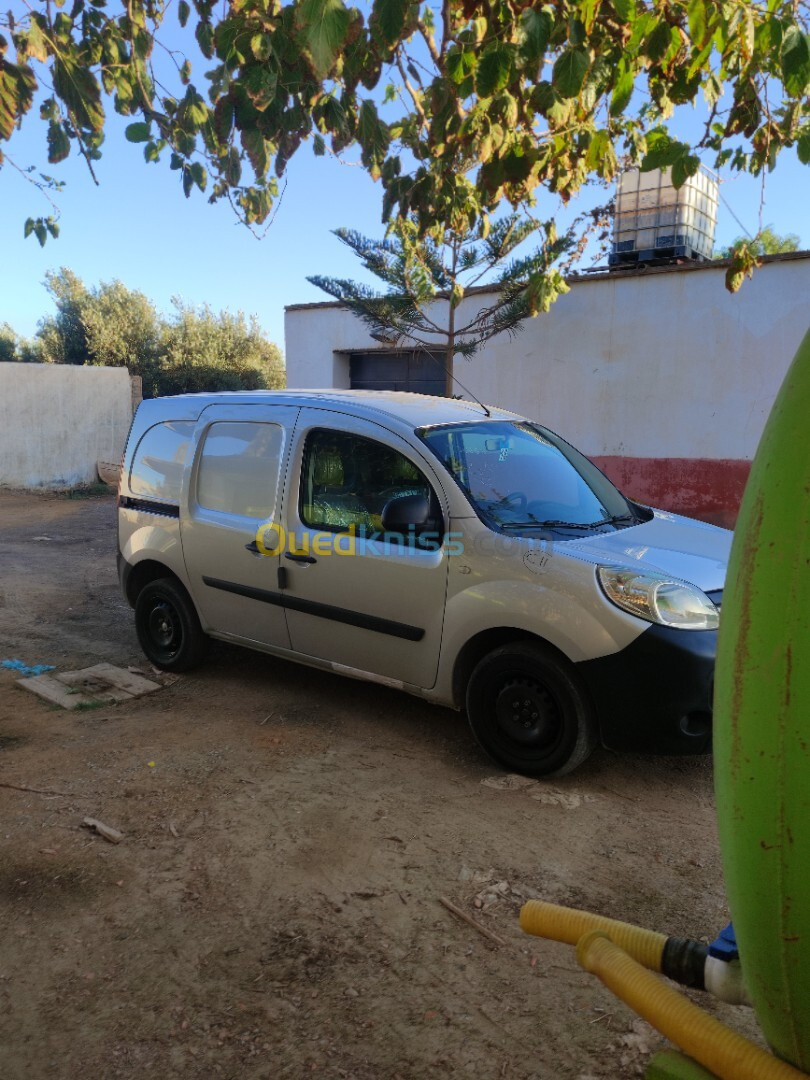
660	375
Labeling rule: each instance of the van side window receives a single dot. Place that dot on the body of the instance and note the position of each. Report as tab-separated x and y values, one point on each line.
347	480
239	468
159	459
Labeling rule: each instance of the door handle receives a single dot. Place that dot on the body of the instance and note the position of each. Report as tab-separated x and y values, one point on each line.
299	558
252	548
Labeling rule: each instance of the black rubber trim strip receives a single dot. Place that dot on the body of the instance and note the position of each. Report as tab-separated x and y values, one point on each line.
147	506
323	611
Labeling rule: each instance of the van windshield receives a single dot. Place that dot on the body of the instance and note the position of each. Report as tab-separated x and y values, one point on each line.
519	475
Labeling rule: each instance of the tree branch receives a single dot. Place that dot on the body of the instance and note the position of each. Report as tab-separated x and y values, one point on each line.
417	104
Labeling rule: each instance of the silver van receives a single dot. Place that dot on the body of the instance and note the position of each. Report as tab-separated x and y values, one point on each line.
461	553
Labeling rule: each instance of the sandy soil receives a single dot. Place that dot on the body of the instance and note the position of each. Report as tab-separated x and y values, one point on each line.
273	908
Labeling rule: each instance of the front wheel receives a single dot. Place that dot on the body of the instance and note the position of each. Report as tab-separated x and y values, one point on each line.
168	627
528	711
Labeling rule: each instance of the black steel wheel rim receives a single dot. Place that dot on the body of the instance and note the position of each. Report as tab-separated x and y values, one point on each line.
165	628
527	714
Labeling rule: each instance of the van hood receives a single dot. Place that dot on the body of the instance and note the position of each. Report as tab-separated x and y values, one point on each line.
677	546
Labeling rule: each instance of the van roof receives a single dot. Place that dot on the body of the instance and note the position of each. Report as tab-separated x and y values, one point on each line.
414	410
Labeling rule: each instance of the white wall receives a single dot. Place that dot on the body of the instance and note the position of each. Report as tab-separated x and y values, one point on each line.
662	364
57	421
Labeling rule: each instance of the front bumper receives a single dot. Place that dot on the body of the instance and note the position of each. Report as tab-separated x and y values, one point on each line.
655	696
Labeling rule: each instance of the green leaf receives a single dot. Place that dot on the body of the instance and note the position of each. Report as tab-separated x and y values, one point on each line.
78	89
205	39
684	167
587	13
543	289
260	83
658	42
577	34
199	175
391	17
601	156
261	46
712	90
570	70
41	232
223	119
625	9
318	146
137	132
36	43
29	227
193	110
796	61
324	26
535	31
494	69
256	150
188	181
460	63
183	12
622	92
373	136
803	145
662	151
743	263
233	167
696	14
58	142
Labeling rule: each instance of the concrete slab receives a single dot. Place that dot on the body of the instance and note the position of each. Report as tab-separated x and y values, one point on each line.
51	689
101	683
96	688
128	681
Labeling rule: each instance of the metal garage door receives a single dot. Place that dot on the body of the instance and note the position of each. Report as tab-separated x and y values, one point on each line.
419	372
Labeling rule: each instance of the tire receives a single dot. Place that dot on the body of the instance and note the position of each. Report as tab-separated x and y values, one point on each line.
547	728
168	627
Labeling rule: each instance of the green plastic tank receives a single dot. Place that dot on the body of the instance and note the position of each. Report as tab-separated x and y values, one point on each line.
762	723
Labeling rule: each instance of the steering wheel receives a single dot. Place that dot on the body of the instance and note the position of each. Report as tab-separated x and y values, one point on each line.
517	500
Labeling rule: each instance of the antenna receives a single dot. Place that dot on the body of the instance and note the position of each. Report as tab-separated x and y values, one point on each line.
447	371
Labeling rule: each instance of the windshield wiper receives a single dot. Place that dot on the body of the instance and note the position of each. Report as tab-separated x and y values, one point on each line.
548	524
552	524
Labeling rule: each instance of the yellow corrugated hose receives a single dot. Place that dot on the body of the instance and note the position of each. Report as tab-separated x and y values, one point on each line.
569	924
722	1051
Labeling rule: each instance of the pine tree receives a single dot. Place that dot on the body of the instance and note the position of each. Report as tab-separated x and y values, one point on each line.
427	279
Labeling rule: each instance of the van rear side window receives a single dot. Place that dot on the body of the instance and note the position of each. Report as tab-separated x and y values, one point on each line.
159	459
239	468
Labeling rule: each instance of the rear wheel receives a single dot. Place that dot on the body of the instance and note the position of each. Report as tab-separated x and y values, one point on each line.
168	627
528	711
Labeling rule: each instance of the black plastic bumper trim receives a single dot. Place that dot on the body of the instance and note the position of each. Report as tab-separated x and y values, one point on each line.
323	611
648	695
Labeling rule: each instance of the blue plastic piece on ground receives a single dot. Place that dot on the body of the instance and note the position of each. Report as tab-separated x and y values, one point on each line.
26	669
724	946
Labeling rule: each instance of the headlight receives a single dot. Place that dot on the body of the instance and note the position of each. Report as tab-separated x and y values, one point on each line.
659	599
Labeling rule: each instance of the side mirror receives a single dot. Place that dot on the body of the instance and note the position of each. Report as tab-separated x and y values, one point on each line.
405	513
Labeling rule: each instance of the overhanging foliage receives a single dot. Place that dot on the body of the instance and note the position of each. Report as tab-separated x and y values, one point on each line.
453	110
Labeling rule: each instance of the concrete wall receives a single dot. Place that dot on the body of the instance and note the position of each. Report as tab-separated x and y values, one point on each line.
57	421
662	377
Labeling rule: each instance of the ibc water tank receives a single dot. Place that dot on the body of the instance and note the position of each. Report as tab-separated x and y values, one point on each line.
656	222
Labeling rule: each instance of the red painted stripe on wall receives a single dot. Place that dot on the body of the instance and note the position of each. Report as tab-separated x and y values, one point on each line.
698	487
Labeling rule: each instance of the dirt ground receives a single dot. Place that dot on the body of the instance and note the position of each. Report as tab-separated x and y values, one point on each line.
273	910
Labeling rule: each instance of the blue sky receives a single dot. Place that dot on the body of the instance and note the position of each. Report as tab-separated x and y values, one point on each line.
138	227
